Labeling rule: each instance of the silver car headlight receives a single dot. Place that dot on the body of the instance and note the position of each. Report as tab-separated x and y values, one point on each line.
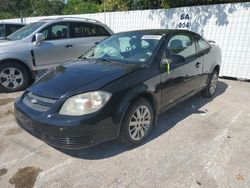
85	103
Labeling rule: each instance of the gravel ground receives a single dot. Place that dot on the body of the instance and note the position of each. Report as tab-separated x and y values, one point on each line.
200	143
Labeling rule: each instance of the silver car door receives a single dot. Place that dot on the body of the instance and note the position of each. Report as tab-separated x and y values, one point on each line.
84	36
55	48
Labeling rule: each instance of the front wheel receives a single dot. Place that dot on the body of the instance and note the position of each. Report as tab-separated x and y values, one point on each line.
137	123
13	77
212	85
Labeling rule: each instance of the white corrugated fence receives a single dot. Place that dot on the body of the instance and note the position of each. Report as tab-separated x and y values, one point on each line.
226	24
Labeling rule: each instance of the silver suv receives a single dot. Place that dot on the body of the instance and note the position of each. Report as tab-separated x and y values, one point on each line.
43	44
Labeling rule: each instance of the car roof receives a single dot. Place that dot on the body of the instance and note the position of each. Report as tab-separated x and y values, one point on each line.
159	31
15	23
57	19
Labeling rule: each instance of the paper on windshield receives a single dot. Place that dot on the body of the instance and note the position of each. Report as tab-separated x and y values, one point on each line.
152	37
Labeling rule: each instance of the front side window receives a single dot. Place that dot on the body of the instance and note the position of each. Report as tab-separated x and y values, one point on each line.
56	31
25	31
182	44
2	30
127	47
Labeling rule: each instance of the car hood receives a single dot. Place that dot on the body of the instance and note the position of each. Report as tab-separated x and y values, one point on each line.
80	76
4	42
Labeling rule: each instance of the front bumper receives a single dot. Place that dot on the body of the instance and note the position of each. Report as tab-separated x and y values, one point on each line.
64	133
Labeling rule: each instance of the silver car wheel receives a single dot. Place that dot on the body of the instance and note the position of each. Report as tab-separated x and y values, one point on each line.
11	78
139	123
213	83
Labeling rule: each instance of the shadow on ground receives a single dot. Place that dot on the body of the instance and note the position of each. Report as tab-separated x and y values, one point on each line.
166	121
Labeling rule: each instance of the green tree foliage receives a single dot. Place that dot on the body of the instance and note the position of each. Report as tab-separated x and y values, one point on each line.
14	8
46	7
181	3
25	8
80	7
114	5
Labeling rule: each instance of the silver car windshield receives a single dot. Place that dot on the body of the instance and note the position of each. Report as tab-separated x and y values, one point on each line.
2	30
127	47
25	31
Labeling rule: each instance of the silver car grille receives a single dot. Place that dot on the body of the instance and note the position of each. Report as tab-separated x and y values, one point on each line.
38	103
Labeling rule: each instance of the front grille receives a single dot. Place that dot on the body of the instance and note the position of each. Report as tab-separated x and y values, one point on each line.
59	141
69	141
38	103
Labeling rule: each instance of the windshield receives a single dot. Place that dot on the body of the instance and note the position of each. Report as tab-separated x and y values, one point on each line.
128	47
25	31
2	30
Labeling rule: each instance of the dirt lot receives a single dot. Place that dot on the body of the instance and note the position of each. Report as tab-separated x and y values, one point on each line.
201	143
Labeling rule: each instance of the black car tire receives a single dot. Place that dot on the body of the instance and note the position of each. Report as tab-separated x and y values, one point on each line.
126	131
21	75
207	92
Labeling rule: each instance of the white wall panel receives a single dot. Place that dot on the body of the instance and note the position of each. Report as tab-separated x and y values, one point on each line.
227	24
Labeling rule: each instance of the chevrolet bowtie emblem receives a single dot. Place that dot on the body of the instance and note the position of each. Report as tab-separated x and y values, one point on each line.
33	101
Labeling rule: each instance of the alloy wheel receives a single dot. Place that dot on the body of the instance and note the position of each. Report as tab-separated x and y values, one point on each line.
11	78
213	83
139	123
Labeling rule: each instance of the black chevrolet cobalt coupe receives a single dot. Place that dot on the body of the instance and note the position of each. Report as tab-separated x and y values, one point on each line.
117	88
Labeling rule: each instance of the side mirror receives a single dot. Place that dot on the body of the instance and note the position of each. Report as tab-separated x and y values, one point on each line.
39	37
165	65
165	61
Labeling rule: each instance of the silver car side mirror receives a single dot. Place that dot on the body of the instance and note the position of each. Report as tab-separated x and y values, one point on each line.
39	37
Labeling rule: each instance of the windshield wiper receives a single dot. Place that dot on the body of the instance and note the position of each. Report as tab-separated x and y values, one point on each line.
105	59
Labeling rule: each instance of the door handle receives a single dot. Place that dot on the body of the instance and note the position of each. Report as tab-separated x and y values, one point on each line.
197	64
68	46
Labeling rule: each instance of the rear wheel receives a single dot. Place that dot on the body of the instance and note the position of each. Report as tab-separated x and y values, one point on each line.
13	77
137	123
212	85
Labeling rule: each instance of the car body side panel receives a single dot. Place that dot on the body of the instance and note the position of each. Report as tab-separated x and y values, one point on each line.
22	57
52	52
82	45
180	81
141	82
211	60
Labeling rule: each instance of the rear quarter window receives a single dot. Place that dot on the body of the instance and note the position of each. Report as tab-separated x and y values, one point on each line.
183	45
102	31
202	45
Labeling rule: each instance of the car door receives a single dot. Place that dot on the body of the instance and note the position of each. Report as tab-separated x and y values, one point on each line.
203	48
183	75
85	35
55	48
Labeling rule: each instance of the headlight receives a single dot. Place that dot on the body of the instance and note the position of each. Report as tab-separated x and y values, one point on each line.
85	103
